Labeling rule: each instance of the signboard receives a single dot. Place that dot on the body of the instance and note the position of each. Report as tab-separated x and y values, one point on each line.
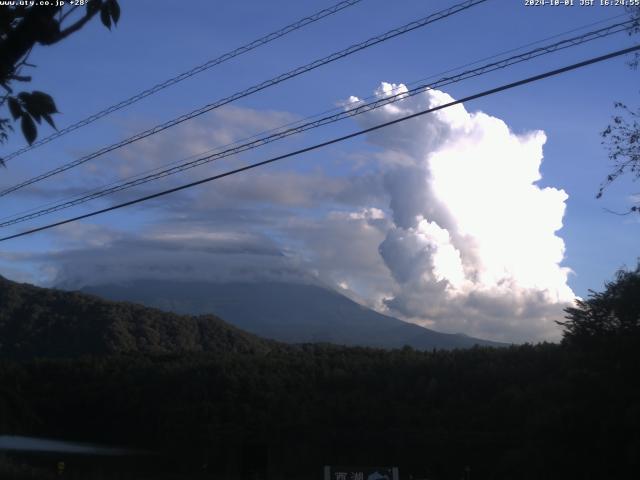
360	473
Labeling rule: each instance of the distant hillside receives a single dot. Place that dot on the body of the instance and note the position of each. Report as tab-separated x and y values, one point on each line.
286	312
40	322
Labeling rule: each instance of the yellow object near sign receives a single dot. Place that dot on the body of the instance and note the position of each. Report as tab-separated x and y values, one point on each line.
60	468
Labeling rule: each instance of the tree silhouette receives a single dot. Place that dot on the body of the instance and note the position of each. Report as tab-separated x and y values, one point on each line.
23	27
612	313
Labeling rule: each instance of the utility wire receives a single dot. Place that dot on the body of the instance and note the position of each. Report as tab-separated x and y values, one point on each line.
537	42
585	37
485	93
303	22
256	88
356	109
310	117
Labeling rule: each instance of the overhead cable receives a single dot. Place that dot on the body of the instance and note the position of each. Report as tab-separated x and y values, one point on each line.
303	22
356	109
485	93
249	91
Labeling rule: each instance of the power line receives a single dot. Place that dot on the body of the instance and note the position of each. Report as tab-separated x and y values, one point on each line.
310	117
316	115
341	115
303	22
485	93
256	88
530	44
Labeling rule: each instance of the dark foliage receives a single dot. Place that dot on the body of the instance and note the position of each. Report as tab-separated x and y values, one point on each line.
53	323
251	409
524	412
609	315
622	139
622	136
22	27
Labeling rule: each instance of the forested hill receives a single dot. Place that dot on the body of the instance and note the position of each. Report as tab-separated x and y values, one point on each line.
41	322
551	411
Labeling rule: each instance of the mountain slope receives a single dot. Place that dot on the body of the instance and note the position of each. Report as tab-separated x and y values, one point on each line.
286	312
41	322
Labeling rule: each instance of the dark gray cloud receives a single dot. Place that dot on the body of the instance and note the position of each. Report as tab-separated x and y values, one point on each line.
207	257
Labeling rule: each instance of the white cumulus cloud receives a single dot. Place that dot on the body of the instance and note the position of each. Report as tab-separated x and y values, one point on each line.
473	245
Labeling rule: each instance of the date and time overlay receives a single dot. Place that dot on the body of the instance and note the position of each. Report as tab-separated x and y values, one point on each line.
527	3
582	3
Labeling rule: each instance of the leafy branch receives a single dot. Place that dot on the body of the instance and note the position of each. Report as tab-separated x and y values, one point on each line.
21	29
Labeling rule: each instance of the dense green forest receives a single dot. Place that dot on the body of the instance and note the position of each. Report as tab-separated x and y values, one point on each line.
283	411
46	323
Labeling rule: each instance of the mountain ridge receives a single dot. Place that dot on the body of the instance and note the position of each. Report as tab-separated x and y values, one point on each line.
286	312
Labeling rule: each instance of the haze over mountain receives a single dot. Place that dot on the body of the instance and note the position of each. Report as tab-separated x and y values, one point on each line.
288	312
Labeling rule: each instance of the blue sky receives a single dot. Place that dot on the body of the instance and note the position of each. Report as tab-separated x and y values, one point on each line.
158	39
